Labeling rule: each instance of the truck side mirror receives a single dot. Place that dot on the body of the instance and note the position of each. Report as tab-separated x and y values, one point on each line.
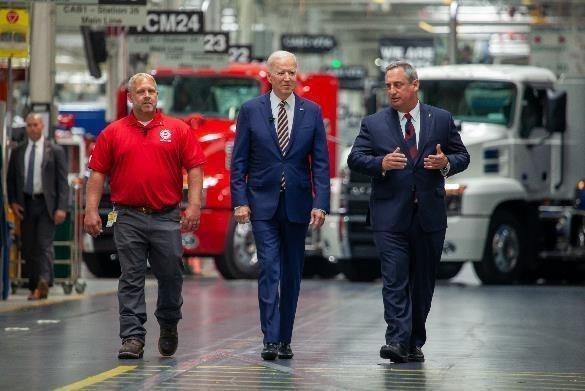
556	111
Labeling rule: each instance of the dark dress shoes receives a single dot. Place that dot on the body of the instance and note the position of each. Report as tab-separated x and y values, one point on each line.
395	352
416	355
43	289
285	351
34	295
270	351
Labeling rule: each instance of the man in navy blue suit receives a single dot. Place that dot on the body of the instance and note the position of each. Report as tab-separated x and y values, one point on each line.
280	183
408	149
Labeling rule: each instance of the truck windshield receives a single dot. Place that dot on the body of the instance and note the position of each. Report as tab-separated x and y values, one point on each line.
472	100
215	96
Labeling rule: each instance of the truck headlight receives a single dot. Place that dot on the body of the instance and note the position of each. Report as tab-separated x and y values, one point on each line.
454	194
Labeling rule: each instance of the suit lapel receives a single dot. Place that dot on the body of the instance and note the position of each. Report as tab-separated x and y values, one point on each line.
426	121
395	130
270	121
46	155
298	119
20	161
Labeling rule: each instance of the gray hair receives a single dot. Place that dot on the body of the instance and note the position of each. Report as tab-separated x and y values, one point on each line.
137	76
278	55
408	68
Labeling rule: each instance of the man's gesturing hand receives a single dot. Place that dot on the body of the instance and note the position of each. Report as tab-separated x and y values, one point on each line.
394	161
436	162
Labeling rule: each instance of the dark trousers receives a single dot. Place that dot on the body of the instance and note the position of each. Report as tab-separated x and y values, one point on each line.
409	263
38	230
154	237
281	251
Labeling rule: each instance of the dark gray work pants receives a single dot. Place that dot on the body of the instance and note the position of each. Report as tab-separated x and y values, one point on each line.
155	237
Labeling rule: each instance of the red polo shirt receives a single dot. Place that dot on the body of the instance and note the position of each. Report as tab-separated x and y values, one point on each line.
145	163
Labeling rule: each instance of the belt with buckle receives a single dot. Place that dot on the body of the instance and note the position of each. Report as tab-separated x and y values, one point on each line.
35	196
147	210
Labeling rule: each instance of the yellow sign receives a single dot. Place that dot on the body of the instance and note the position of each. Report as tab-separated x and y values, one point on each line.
13	33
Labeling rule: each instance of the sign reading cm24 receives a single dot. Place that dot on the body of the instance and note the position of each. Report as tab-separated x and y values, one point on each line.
171	22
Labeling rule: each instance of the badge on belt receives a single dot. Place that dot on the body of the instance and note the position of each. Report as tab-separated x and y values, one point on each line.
112	217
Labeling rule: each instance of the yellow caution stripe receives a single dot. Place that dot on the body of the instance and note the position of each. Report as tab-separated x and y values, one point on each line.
97	378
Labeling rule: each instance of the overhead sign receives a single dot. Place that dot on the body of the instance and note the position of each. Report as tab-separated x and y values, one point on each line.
14	33
351	77
419	52
151	51
308	43
100	15
240	53
170	22
102	2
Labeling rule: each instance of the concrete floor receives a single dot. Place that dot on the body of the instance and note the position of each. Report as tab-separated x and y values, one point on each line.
480	338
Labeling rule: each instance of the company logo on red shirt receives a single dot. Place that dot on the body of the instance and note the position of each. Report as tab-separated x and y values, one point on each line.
165	136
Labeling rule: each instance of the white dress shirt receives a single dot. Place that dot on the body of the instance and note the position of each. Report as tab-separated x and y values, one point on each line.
39	148
289	107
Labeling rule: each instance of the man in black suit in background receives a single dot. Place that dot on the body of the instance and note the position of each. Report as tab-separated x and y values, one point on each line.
38	195
407	204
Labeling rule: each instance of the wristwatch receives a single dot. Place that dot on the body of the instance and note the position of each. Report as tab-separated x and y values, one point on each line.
445	170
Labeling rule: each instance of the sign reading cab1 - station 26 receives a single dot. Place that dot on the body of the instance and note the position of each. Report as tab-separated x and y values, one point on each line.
100	13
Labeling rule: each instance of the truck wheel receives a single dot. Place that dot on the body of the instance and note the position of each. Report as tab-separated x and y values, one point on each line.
104	265
504	251
448	270
239	259
362	270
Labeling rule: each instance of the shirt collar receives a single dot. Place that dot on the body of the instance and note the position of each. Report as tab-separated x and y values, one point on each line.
156	120
415	113
39	142
275	100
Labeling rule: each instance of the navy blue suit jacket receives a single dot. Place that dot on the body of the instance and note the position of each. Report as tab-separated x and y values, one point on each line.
393	194
258	163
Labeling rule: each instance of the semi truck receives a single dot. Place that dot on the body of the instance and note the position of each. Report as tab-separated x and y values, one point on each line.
208	100
513	211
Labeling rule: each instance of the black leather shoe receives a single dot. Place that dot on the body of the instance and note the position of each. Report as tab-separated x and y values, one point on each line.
168	341
270	351
284	351
395	352
132	348
416	355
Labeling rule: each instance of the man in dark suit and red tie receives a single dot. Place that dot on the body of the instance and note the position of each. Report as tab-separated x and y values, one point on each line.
280	183
407	149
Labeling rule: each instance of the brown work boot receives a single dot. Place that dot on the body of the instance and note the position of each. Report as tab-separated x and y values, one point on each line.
168	341
43	289
132	348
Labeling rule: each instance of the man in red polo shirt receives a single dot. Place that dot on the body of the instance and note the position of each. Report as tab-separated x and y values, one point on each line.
144	154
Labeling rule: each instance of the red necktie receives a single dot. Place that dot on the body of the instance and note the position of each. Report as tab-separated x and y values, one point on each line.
410	136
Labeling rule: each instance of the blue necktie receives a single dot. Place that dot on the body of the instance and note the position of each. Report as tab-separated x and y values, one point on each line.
30	173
